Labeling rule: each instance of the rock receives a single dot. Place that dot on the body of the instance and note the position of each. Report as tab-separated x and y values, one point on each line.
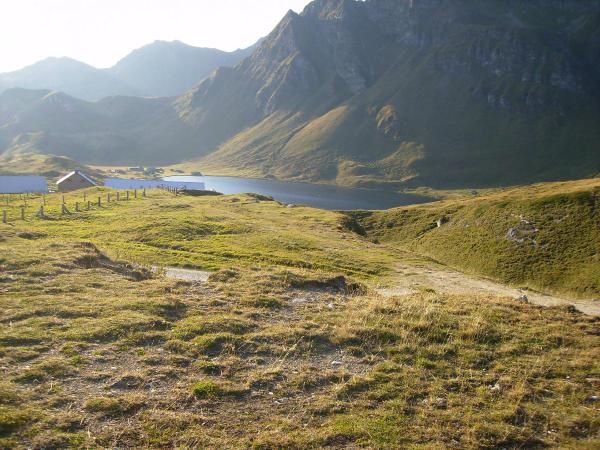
127	382
511	234
336	363
496	388
290	206
440	403
592	398
441	221
522	298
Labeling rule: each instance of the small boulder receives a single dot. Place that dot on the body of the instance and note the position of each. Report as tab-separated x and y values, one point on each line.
496	388
522	298
440	403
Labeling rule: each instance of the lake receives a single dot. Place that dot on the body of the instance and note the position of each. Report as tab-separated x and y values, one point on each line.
316	195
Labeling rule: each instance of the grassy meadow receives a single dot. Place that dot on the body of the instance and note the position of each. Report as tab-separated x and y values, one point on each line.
98	349
545	236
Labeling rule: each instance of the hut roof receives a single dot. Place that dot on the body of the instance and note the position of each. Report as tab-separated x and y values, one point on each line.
70	174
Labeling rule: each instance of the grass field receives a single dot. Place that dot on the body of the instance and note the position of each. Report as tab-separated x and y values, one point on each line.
545	236
274	351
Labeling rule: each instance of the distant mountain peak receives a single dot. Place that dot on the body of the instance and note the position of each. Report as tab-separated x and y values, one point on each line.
159	69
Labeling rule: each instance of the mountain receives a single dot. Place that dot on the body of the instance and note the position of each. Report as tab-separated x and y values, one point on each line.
160	69
396	93
117	130
67	75
167	69
426	92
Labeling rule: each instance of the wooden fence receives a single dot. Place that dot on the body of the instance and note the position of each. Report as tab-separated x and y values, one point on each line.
26	204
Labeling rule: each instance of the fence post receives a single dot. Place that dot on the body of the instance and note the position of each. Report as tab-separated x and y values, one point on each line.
99	201
22	213
117	195
108	197
89	205
63	199
84	196
135	193
4	216
77	206
44	199
144	193
40	213
127	196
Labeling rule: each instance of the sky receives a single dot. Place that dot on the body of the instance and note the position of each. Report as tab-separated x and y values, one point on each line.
100	32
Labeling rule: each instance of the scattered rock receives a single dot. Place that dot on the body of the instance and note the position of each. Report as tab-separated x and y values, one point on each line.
522	298
592	398
496	388
30	235
441	221
127	382
335	284
336	363
440	403
524	232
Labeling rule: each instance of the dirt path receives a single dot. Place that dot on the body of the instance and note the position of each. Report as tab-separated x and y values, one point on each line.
412	278
185	274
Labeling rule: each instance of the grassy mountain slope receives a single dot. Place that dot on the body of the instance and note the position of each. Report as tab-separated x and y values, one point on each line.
545	236
272	351
26	160
435	85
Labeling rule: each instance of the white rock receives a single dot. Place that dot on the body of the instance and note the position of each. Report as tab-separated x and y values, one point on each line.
496	388
522	298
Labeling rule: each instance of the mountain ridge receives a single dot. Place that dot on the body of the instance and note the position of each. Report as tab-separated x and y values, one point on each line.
159	69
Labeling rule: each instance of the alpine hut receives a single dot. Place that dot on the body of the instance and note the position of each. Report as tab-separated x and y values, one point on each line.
73	181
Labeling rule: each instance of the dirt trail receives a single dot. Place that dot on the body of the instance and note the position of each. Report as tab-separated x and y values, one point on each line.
184	274
412	278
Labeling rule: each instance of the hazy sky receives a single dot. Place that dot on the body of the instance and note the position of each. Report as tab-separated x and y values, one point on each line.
100	32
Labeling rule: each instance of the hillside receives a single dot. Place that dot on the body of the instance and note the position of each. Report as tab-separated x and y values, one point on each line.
286	344
438	93
543	237
127	130
160	69
25	162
